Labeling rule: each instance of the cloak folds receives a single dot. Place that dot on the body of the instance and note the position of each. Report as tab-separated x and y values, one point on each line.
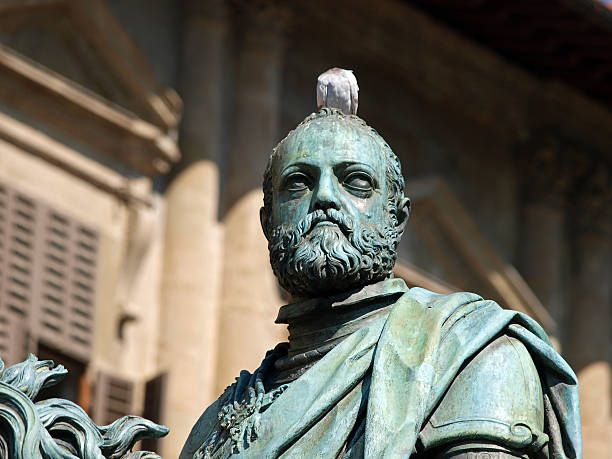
397	368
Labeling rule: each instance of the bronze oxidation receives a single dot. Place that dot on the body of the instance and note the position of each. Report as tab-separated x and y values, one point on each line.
58	428
372	368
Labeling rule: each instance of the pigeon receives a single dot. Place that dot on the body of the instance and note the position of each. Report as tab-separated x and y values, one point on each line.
337	88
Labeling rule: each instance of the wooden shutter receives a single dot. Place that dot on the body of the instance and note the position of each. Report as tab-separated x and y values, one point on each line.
68	262
155	390
113	398
47	278
17	272
19	218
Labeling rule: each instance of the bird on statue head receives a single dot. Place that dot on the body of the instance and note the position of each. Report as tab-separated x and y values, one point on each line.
337	88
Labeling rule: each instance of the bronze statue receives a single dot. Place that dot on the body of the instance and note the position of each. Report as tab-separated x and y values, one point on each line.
372	368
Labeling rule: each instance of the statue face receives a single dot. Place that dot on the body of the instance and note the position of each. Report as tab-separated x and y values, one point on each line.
330	168
332	228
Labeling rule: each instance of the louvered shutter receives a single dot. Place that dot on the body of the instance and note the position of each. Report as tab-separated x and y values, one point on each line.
113	398
67	284
47	278
17	273
155	390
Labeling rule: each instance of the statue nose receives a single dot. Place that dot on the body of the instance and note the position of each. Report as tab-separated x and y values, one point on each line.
325	195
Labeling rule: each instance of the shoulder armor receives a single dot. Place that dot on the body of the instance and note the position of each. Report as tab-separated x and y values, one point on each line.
497	397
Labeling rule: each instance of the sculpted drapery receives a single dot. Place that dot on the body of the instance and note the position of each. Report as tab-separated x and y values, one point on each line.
374	394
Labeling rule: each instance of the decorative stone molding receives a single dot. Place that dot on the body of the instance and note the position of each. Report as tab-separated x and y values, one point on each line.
152	151
112	47
119	109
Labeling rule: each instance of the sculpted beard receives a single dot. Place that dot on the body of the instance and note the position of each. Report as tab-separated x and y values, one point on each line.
311	260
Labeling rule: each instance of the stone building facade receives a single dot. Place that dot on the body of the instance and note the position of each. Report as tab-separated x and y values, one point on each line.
133	138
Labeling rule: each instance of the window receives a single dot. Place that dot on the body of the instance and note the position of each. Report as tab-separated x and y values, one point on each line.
47	279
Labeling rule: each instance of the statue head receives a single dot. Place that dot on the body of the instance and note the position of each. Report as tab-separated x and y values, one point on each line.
334	206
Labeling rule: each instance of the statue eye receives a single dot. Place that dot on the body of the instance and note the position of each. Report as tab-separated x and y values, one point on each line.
297	182
359	182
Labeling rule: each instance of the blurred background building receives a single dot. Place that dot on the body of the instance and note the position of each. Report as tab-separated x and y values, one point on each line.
133	138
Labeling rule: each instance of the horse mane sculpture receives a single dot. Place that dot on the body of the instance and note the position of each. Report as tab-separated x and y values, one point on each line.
58	428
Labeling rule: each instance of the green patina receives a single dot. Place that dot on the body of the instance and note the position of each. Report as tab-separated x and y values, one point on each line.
372	368
58	428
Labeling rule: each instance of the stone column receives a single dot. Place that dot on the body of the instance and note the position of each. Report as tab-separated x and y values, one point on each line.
250	297
542	251
543	260
591	313
193	240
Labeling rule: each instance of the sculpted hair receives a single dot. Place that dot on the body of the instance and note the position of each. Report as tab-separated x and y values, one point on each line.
393	169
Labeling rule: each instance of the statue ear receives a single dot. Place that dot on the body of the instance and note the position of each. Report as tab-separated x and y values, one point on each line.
262	220
403	213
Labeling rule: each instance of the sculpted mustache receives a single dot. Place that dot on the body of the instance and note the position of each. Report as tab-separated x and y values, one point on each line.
337	217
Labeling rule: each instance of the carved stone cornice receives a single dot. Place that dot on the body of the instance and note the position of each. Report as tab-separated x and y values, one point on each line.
141	137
